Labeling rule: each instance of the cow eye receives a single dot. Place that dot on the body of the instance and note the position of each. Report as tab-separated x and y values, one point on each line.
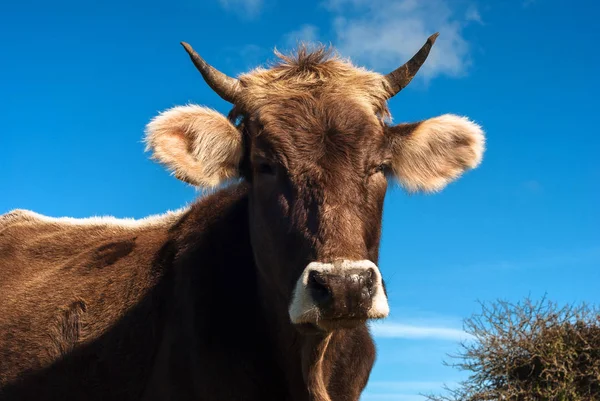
379	169
265	168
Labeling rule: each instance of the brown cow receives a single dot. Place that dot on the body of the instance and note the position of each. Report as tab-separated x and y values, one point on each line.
259	291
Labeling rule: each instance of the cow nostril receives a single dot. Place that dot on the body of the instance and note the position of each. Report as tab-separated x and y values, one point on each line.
318	287
365	294
368	281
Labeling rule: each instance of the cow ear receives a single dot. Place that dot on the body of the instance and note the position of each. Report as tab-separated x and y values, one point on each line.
201	146
429	154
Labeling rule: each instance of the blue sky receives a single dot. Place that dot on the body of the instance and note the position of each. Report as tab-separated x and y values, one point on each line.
81	79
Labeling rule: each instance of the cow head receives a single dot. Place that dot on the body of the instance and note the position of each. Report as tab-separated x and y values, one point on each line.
310	136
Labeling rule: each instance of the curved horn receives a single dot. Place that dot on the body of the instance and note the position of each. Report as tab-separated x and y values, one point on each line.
224	86
400	77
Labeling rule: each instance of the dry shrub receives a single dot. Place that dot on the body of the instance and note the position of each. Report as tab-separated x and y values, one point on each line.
529	351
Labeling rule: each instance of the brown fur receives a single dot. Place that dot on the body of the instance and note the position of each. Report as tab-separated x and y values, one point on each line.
304	75
193	305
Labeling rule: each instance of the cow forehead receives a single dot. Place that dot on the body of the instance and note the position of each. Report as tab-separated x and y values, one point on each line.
320	115
318	132
313	107
317	74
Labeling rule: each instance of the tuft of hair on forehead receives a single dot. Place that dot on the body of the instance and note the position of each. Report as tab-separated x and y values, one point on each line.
307	59
313	70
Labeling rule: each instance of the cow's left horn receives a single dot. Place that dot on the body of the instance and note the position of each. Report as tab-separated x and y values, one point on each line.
400	77
223	85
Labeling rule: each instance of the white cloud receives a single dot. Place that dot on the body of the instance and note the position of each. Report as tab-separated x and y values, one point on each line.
398	330
408	386
472	14
391	397
307	34
402	390
543	260
245	8
384	34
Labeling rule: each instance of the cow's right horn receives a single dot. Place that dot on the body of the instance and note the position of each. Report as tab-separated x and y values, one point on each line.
401	76
225	86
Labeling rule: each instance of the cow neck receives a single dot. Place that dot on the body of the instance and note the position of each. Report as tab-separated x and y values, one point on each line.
217	220
299	355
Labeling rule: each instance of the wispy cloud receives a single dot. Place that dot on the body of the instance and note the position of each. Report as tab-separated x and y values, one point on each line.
307	33
384	34
472	14
402	390
391	397
399	330
408	386
244	8
545	259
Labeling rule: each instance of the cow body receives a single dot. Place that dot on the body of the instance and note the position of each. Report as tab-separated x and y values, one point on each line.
261	291
169	308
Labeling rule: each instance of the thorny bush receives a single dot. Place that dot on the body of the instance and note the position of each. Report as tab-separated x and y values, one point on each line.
529	351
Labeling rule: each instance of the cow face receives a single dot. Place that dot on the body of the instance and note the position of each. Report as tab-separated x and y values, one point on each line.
310	137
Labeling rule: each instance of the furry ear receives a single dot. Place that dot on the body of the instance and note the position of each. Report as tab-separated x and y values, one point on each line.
201	146
428	155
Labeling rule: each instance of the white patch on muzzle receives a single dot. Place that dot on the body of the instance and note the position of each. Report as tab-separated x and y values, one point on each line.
303	308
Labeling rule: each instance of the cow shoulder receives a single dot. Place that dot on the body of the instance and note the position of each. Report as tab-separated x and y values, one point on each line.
32	243
65	281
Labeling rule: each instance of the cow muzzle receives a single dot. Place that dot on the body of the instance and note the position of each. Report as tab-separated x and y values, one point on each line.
340	294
